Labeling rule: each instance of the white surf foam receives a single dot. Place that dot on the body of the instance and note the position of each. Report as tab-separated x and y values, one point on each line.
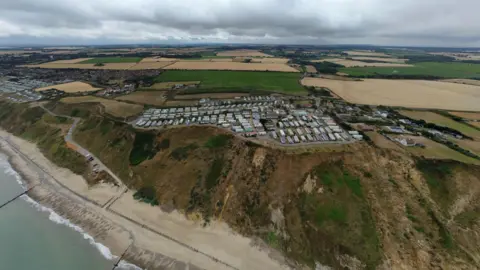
54	217
63	221
123	265
8	169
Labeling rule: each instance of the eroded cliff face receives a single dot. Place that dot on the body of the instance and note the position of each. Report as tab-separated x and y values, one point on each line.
354	206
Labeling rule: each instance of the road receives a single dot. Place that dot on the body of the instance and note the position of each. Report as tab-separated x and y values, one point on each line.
84	152
94	205
63	190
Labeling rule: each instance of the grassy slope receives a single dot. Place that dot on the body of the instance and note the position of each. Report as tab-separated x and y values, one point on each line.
238	80
358	195
446	70
112	60
366	202
35	125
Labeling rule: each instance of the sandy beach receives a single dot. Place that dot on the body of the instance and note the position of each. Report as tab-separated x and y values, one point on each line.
145	235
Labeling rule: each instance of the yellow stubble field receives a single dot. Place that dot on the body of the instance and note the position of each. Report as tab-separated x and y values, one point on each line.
71	87
240	53
404	93
354	63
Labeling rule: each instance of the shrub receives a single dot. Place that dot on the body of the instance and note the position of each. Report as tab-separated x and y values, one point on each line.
218	141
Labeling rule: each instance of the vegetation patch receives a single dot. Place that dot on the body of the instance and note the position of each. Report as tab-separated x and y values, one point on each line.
144	147
468	218
214	174
181	153
146	194
437	173
218	141
336	218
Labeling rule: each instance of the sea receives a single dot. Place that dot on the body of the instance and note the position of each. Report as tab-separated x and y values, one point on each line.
34	237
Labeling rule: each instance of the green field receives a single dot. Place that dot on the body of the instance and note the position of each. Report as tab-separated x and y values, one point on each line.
238	80
445	69
112	60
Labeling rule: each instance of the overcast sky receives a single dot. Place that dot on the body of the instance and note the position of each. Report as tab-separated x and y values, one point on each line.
379	22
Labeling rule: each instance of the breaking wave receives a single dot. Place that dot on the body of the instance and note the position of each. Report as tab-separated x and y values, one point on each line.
54	217
7	169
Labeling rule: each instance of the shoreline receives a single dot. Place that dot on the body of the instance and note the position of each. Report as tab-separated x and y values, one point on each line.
144	235
37	200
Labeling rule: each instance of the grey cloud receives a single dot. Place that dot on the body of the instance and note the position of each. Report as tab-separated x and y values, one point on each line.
412	22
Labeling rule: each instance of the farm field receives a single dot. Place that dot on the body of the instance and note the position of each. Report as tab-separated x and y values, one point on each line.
353	63
229	81
310	69
475	124
175	103
443	70
150	65
380	59
112	60
205	65
461	56
441	120
211	95
436	150
71	87
404	93
71	61
83	66
169	85
243	53
113	107
158	59
156	98
268	60
472	146
463	81
381	141
466	115
366	53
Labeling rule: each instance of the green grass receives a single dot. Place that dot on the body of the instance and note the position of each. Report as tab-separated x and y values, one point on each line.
446	70
335	213
143	148
146	194
272	239
438	119
339	217
112	60
218	141
238	80
214	174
